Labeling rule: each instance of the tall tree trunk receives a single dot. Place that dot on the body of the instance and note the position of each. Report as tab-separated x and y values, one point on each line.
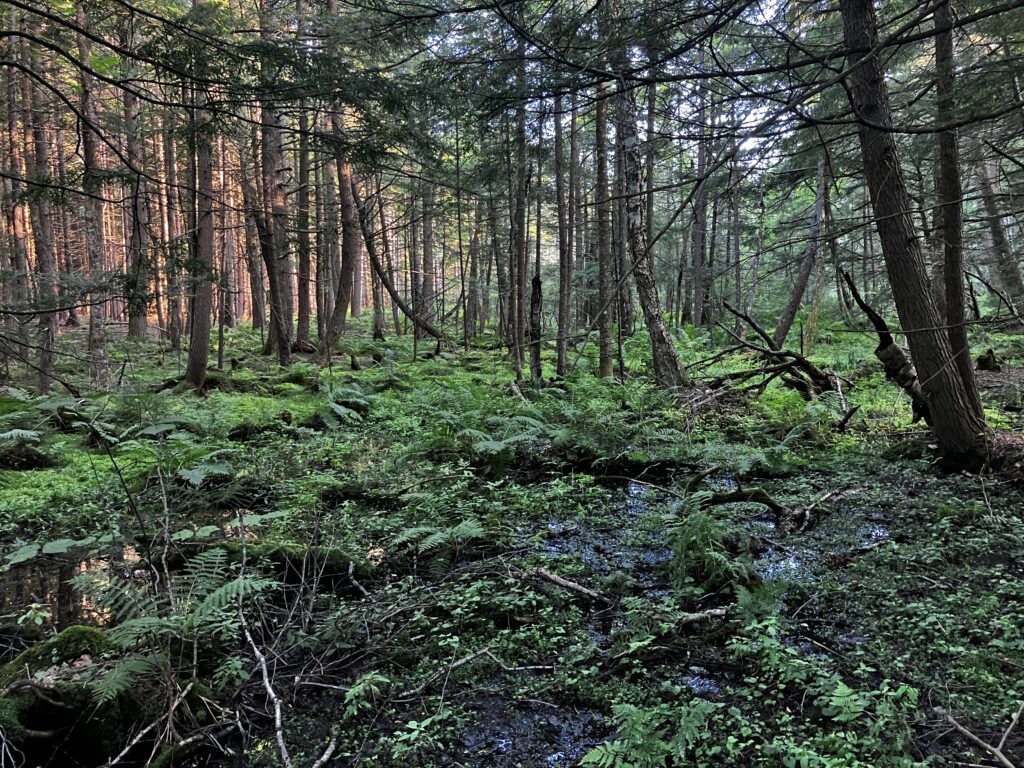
303	250
275	206
700	208
796	297
389	262
950	193
536	370
605	265
172	261
137	282
42	226
202	268
1006	267
956	421
349	247
92	201
667	371
564	241
427	287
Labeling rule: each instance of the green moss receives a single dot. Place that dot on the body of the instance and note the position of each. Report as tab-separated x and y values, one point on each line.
65	646
11	708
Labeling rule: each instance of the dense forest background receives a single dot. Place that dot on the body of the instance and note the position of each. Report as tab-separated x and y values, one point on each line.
511	383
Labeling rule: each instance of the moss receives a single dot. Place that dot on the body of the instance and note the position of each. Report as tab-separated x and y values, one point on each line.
11	708
67	645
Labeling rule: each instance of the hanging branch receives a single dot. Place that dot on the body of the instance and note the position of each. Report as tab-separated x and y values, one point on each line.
796	371
897	364
371	250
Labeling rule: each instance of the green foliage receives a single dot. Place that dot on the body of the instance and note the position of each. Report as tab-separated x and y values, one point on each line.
701	560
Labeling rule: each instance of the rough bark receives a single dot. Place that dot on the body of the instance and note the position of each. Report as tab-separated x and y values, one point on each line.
42	229
667	371
202	268
137	275
1005	265
92	186
564	247
955	421
950	193
605	265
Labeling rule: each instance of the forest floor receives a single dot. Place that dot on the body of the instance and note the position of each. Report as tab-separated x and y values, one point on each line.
420	565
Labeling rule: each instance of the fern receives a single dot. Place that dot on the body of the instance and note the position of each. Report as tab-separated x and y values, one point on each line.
124	676
700	557
22	435
435	541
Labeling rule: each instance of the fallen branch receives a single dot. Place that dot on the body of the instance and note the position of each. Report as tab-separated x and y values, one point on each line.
996	752
414	692
142	734
845	421
526	668
1013	724
897	364
572	586
749	495
352	579
796	370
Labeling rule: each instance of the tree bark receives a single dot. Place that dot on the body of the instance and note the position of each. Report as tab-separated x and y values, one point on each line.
202	270
1006	267
950	193
137	282
956	423
667	371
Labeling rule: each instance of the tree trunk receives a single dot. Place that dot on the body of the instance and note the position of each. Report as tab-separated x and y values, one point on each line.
173	239
92	201
605	265
137	283
42	228
349	247
956	421
806	265
564	245
303	251
1006	267
202	269
667	371
950	192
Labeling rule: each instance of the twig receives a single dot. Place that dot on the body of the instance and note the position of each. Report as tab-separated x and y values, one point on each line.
328	752
141	734
996	752
413	692
1013	724
352	578
572	586
527	668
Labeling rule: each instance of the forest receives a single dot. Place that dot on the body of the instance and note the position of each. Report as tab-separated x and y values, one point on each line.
511	383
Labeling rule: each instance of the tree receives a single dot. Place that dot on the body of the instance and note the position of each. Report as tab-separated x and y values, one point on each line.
956	417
